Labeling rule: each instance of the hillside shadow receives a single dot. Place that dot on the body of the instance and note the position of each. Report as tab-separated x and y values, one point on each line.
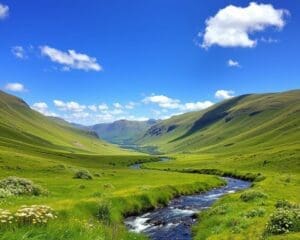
217	113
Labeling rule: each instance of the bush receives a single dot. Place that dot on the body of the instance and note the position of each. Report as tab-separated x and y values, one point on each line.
258	212
284	221
104	212
4	193
19	186
252	195
285	204
83	174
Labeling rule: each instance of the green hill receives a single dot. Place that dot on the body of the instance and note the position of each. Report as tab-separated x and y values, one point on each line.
254	121
122	132
23	128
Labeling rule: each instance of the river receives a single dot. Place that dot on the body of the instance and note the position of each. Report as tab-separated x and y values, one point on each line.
174	221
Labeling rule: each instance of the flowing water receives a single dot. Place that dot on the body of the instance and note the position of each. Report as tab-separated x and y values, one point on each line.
175	220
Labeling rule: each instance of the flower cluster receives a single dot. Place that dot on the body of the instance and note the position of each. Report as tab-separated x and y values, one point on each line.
35	214
26	215
6	217
285	219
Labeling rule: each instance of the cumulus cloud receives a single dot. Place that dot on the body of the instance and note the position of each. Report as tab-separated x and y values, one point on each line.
175	104
224	94
196	106
163	101
93	108
71	59
15	87
42	107
117	105
18	52
69	106
233	63
103	107
232	25
4	11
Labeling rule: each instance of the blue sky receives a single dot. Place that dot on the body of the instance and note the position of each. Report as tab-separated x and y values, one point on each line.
100	61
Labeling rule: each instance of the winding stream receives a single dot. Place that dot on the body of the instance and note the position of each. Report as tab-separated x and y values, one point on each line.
175	220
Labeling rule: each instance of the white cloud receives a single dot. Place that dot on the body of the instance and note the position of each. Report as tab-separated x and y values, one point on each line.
224	94
93	108
103	107
69	106
15	87
71	59
116	111
117	105
233	63
196	106
42	107
4	11
130	105
134	118
163	101
18	52
232	25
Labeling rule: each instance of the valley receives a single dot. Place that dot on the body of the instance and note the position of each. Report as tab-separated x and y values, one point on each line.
89	184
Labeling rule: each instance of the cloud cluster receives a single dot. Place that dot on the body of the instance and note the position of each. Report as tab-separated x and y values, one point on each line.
232	25
69	106
42	107
224	94
18	52
233	63
71	59
163	107
163	101
170	103
4	11
15	87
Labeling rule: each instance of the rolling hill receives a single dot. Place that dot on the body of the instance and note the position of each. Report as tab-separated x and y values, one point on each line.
122	132
253	121
23	128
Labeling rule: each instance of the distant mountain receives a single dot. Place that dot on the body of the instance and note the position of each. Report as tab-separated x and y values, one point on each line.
123	132
23	129
253	121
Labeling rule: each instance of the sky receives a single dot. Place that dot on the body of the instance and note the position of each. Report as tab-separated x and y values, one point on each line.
99	61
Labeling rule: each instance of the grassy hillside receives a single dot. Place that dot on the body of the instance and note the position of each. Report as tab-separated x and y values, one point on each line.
123	132
23	128
254	135
250	121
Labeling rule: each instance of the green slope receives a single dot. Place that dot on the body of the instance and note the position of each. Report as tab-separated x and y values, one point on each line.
23	128
254	121
122	132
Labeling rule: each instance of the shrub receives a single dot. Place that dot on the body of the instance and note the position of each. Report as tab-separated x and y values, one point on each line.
252	195
19	186
283	221
258	212
285	204
83	174
4	193
104	212
35	214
